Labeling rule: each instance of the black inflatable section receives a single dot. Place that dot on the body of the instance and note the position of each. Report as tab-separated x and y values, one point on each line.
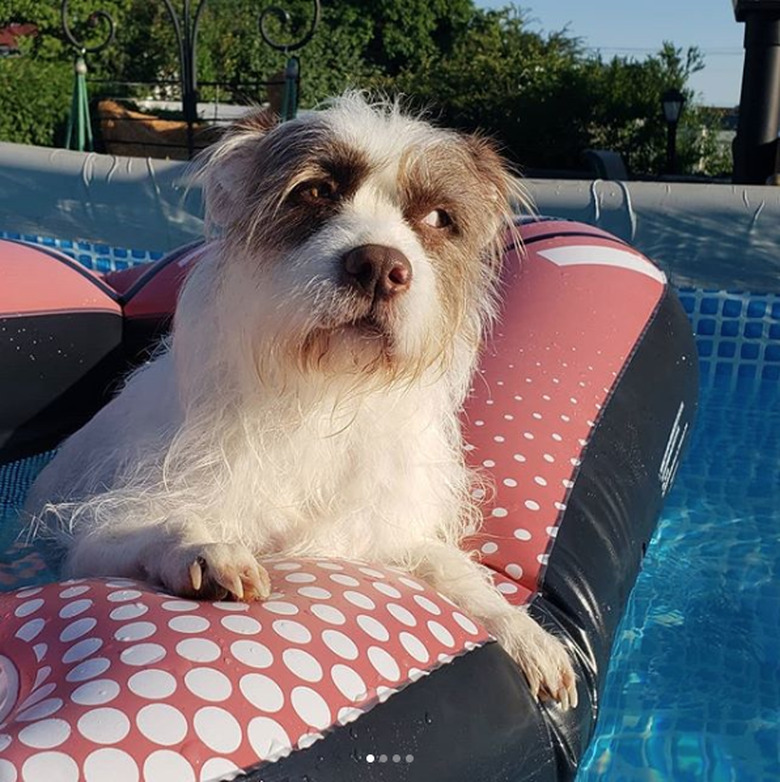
58	370
613	509
433	727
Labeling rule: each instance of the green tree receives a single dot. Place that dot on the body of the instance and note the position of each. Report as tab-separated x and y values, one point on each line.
520	85
625	99
548	100
543	95
36	88
231	49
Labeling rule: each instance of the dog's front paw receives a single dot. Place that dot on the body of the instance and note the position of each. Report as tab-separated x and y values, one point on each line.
541	656
215	571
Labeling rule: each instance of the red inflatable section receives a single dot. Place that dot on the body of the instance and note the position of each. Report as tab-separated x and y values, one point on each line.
574	308
184	691
36	281
151	292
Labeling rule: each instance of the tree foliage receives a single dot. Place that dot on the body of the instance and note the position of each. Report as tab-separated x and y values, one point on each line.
543	95
626	115
36	87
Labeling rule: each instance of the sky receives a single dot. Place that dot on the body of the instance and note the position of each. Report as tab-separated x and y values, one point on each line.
637	28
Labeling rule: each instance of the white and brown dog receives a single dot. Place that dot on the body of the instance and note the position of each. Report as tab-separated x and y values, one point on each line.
307	402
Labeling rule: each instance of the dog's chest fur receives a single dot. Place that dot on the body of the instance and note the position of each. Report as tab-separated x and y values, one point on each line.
375	473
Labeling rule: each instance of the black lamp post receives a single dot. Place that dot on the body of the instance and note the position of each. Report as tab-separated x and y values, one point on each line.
672	102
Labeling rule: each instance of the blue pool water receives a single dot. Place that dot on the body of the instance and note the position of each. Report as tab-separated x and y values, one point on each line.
693	689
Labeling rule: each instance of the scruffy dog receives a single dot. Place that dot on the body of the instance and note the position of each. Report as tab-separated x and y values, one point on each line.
307	402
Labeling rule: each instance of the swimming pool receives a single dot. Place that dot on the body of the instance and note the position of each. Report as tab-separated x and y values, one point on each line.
693	691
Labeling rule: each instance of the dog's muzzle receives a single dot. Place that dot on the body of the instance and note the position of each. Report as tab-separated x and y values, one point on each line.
376	271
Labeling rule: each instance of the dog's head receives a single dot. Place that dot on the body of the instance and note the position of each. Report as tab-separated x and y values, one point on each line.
358	239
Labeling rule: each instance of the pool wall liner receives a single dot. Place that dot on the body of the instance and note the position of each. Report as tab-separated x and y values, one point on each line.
705	236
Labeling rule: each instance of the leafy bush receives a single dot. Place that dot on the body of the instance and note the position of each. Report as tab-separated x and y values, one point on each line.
35	99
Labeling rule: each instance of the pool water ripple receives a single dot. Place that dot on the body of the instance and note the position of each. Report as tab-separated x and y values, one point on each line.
693	689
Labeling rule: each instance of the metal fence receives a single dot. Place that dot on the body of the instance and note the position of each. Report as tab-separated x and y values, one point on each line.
166	117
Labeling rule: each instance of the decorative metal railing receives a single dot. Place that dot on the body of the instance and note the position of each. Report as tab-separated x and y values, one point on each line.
185	26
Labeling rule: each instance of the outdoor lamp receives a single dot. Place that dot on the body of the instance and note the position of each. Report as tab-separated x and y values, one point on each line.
672	102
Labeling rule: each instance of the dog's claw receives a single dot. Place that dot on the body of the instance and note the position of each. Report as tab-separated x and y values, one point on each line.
566	695
543	658
196	575
257	585
216	571
574	697
236	588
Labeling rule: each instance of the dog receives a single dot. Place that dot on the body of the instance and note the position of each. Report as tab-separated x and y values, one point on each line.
307	400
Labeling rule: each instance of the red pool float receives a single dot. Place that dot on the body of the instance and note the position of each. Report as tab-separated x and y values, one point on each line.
351	671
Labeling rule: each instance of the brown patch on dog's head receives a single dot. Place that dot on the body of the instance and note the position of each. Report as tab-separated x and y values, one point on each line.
317	185
465	180
275	185
259	122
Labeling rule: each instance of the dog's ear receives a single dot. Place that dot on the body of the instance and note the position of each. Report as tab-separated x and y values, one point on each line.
492	168
226	168
504	190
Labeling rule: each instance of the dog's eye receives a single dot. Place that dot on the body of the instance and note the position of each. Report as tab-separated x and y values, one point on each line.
317	192
437	218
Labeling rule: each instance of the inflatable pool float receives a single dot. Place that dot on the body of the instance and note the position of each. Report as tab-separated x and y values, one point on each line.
580	411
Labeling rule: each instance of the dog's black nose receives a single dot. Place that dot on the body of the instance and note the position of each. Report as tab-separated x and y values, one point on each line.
377	271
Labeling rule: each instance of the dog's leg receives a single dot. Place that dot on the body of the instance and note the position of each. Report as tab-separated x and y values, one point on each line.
184	558
542	657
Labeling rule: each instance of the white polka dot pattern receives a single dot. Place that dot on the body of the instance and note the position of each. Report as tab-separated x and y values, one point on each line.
542	383
119	681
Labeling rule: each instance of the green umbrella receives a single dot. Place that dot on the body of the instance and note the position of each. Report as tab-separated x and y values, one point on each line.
79	134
